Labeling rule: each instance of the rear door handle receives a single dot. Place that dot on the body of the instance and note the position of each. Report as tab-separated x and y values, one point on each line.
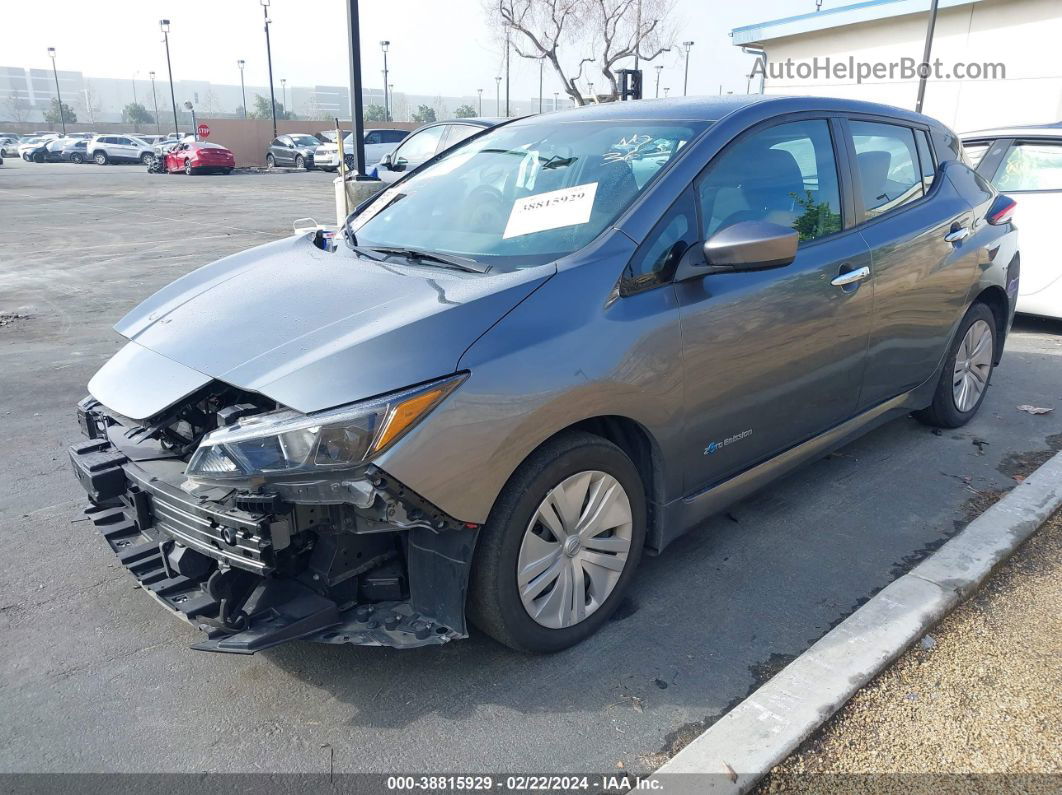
851	277
955	235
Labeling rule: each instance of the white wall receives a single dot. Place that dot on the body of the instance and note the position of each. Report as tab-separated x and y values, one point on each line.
1025	35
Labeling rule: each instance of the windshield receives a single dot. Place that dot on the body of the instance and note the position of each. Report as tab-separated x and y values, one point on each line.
528	193
304	140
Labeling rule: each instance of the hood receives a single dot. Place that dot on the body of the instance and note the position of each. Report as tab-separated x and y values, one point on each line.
312	329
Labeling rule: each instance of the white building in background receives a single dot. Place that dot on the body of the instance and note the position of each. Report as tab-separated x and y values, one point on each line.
1007	47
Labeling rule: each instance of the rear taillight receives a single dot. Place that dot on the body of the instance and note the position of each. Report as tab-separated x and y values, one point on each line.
1002	210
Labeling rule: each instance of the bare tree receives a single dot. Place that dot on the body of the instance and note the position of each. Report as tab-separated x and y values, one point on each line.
609	30
211	105
89	100
19	107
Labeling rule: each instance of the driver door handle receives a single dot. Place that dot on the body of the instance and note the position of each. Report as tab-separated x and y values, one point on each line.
955	235
851	277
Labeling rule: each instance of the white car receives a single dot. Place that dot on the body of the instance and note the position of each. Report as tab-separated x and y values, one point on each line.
378	142
8	144
104	149
1026	164
27	144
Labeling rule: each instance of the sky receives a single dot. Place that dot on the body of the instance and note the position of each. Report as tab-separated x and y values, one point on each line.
438	47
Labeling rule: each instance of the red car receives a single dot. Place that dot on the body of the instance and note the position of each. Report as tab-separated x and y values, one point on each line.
199	157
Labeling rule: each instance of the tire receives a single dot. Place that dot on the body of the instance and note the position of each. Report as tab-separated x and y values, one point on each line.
146	158
271	162
350	162
226	171
495	604
100	158
300	162
967	368
38	157
188	168
77	157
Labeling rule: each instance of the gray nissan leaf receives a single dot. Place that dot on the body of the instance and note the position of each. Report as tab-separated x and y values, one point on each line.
547	351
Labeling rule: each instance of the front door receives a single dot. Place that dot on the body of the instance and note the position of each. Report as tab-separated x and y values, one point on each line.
775	357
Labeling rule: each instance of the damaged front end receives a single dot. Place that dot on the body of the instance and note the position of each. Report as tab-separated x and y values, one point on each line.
261	525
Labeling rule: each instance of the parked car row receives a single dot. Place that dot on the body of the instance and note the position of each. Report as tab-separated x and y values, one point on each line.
173	155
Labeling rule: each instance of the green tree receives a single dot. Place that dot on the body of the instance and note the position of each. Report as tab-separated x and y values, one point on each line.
424	114
465	112
262	111
52	114
136	114
375	112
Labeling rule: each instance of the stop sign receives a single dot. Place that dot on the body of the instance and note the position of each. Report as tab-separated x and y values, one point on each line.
203	131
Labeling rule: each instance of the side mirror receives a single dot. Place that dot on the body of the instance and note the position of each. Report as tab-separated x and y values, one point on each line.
744	246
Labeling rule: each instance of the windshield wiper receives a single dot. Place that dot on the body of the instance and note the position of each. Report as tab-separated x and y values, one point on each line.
463	263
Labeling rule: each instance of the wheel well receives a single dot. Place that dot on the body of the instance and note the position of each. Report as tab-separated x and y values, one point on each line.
995	298
634	440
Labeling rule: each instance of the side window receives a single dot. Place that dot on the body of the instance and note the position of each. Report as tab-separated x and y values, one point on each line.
278	142
458	133
373	138
123	142
1030	166
887	162
655	260
973	152
925	158
784	174
394	136
419	147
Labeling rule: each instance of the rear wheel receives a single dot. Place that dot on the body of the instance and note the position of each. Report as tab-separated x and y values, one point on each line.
146	158
100	158
270	161
77	157
38	157
560	546
967	371
188	168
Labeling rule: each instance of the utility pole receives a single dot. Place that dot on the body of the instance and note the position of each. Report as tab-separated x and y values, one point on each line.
555	99
924	69
659	69
155	101
637	34
58	96
164	25
686	79
269	59
497	96
387	102
507	34
243	91
541	63
480	92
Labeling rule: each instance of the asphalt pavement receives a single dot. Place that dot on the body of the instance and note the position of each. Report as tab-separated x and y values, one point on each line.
94	676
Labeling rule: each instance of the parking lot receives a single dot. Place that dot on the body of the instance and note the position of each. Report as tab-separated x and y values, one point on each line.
95	677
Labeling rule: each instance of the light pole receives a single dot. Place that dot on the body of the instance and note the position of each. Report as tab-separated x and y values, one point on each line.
155	101
164	26
923	72
384	45
284	92
508	33
243	91
686	79
58	96
391	99
195	128
659	69
555	99
497	96
269	59
480	92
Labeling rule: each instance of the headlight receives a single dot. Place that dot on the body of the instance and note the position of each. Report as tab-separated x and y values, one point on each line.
288	442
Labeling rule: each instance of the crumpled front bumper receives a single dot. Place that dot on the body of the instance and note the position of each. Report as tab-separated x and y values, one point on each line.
220	568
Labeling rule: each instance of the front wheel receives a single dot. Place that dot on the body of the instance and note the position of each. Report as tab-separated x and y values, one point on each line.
560	546
967	371
300	162
38	157
350	162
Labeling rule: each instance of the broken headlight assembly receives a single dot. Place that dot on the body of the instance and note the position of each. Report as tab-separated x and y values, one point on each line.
310	457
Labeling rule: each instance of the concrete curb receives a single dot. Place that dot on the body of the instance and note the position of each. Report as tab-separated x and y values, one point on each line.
759	733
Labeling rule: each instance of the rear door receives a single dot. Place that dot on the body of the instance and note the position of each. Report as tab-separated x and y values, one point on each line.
775	357
1030	170
280	150
908	209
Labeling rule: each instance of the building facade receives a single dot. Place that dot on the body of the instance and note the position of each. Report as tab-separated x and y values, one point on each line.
994	64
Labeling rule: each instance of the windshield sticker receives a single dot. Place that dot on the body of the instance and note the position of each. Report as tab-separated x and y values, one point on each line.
552	210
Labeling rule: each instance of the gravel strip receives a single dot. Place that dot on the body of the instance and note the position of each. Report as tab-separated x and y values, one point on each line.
982	693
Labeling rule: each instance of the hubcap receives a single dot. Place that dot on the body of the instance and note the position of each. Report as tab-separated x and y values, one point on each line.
574	549
973	365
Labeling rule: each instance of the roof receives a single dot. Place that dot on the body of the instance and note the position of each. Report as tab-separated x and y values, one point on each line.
1025	130
868	11
709	108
